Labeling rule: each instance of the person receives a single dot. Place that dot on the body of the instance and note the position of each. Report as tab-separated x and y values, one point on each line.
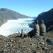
37	29
42	28
22	34
43	33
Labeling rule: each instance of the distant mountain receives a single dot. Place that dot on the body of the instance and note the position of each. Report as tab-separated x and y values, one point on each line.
7	14
47	17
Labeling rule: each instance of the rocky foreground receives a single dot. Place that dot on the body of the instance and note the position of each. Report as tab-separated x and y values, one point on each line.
18	45
22	45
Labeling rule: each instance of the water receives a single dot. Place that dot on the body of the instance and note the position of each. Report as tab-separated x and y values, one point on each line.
15	26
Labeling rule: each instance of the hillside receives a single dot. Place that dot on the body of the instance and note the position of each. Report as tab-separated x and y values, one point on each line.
7	14
48	18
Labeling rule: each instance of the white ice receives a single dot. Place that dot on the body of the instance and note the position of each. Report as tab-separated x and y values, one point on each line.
15	26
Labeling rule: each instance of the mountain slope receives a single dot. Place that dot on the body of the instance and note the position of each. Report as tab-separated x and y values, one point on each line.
48	18
6	14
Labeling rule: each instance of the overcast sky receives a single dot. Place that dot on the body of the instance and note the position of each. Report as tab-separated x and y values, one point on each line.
27	7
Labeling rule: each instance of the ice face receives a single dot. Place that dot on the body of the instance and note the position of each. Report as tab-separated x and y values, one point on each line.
15	26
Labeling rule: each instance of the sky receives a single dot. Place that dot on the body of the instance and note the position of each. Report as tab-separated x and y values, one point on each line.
27	7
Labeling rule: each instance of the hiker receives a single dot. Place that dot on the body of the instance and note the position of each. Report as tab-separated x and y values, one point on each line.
42	28
37	29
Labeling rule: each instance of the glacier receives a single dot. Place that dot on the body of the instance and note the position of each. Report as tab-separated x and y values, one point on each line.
15	26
